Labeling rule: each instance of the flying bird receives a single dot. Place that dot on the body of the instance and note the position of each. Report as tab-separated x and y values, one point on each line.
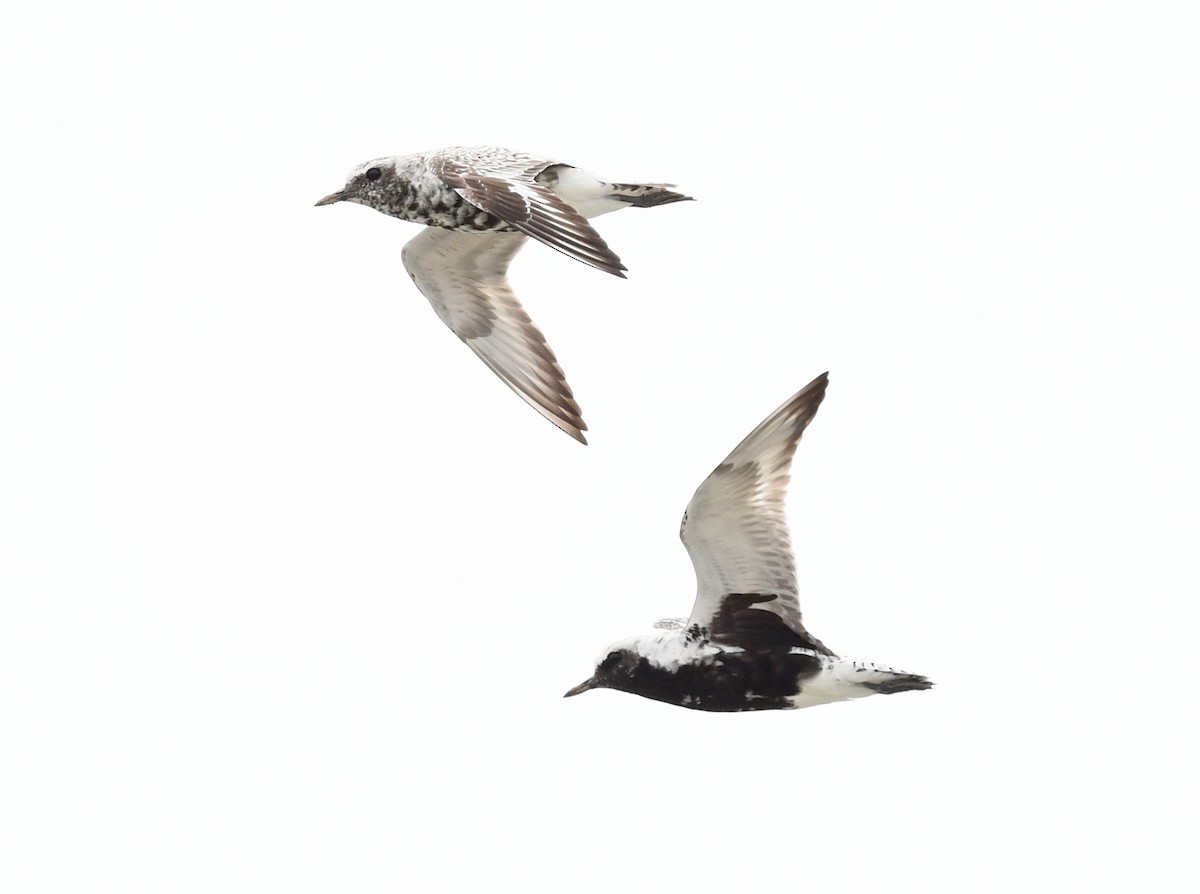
480	205
744	648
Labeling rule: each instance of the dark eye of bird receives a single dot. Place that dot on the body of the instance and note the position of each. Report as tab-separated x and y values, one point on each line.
374	173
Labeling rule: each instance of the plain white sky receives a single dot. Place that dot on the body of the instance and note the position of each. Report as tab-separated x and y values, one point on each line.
292	585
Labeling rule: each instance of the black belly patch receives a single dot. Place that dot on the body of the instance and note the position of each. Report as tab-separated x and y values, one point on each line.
732	681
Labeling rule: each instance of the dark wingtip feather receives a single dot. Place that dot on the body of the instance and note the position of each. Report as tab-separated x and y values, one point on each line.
808	399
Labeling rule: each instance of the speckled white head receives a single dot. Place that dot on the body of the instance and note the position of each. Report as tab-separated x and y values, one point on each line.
365	182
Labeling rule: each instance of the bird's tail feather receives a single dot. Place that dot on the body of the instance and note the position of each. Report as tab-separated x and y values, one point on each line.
886	681
647	195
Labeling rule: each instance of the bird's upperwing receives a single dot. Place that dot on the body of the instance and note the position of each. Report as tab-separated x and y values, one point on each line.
463	276
736	534
505	184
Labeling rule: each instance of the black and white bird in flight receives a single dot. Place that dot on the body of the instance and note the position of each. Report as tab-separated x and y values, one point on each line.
480	204
744	647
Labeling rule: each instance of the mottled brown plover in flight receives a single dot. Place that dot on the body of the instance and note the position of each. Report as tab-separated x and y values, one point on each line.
480	204
744	648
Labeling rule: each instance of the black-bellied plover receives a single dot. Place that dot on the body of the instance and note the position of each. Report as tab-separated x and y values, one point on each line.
480	204
744	647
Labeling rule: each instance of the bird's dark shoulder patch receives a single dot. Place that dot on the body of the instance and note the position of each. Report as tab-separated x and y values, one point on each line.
739	623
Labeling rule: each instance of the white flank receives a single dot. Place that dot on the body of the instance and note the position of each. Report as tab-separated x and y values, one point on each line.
839	679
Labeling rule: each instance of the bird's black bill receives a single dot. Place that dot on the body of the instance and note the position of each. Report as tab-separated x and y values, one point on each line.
332	197
582	687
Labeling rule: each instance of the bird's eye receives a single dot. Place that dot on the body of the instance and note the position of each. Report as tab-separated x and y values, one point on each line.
374	173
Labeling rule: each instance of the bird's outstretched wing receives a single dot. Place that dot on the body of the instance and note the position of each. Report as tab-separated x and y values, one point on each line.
507	185
463	274
736	534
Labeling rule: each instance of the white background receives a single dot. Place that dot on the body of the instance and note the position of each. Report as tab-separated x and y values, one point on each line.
292	585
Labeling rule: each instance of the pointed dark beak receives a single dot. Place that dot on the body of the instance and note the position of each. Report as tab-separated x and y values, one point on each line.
339	196
582	687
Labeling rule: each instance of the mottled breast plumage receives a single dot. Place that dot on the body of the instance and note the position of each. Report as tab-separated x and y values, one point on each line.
428	200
